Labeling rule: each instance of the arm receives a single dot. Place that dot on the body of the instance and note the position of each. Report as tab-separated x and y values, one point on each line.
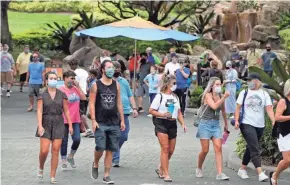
66	112
81	93
165	60
270	113
281	107
184	74
214	105
39	112
205	73
92	101
119	104
225	116
146	81
180	119
166	69
18	62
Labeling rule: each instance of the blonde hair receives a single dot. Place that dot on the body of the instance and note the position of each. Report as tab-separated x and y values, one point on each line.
287	88
208	88
166	80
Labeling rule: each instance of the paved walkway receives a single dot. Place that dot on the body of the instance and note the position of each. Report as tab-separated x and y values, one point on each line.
140	155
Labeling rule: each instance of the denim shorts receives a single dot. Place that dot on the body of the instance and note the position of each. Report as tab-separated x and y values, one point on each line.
107	137
208	129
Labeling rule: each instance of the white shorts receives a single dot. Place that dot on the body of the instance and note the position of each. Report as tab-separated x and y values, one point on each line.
284	143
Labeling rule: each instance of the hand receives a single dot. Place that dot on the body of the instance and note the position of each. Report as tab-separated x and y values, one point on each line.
166	115
95	125
122	126
14	73
135	113
273	123
227	94
226	128
40	131
71	130
184	128
237	125
76	83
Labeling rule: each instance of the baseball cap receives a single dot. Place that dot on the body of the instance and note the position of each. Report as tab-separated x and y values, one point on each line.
253	76
229	64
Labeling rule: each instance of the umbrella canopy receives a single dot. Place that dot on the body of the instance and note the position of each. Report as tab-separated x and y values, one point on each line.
136	28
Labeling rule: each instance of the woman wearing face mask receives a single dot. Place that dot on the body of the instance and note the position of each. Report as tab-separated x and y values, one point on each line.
209	127
230	83
166	110
253	122
50	106
74	93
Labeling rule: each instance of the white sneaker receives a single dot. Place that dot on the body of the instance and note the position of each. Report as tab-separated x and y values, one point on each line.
198	173
64	167
263	177
222	176
8	94
243	174
149	115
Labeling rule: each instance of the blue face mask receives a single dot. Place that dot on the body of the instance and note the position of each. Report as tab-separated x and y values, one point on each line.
110	72
251	85
70	84
52	83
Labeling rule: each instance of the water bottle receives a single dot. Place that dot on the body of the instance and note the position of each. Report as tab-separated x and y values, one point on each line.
225	136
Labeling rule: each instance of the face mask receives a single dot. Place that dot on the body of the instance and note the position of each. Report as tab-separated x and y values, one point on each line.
52	83
110	72
174	61
173	88
218	90
251	85
5	51
143	61
70	84
227	68
117	74
153	72
268	49
26	51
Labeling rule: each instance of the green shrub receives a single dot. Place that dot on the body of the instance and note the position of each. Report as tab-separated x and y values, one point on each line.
195	97
34	38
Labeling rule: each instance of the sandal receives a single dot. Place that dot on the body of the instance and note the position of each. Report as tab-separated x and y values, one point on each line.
40	174
272	181
158	173
53	181
167	179
30	109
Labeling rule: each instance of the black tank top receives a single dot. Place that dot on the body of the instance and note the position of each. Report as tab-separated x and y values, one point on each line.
284	128
106	104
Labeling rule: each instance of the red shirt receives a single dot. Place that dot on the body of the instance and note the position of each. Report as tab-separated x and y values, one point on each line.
131	63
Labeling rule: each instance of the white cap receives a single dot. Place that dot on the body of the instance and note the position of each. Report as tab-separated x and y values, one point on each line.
149	49
229	64
105	58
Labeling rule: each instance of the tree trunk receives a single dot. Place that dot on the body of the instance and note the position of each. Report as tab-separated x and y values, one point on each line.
5	33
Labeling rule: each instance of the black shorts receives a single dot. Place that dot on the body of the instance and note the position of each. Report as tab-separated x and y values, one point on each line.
83	107
166	126
23	77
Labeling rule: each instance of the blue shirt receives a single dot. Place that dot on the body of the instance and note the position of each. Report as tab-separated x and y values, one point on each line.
267	57
35	70
153	81
126	93
181	82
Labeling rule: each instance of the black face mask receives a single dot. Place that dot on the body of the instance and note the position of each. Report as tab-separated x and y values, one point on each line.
117	74
227	68
143	61
268	49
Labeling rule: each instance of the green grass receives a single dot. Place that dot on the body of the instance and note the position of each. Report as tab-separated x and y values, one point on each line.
20	22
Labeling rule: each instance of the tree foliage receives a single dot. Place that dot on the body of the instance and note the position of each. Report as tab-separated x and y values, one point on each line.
164	13
284	20
88	20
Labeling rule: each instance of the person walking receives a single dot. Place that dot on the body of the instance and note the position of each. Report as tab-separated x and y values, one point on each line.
107	119
35	76
22	63
182	74
166	110
51	104
253	102
209	127
230	83
74	93
128	101
282	124
267	59
7	67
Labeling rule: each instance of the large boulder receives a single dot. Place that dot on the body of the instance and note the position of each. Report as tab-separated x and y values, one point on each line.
265	35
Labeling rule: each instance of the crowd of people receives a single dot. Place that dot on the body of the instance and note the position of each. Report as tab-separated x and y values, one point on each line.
104	95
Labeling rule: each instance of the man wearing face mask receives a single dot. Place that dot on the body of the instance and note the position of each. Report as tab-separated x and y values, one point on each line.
107	119
128	102
267	59
7	63
36	77
41	58
22	63
171	67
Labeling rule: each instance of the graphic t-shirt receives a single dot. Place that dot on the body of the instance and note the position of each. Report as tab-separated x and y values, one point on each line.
35	70
163	106
82	76
153	81
255	104
73	97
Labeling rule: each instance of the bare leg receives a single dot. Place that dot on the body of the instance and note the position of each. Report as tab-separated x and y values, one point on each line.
108	163
97	156
31	102
84	120
283	165
217	143
164	144
140	101
172	144
44	149
56	144
204	150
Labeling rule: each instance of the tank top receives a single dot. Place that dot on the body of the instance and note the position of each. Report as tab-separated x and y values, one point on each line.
106	103
211	114
284	128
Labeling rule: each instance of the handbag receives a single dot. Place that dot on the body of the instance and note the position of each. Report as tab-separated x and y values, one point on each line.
242	112
200	113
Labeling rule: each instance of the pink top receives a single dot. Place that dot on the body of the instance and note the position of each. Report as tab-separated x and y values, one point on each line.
73	96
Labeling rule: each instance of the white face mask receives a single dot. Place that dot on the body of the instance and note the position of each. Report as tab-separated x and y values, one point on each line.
218	90
173	88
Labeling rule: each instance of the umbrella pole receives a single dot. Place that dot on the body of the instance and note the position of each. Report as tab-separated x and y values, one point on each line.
135	61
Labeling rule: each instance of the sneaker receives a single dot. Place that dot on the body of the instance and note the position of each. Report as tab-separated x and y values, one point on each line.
64	167
243	174
71	161
263	177
198	173
140	109
116	165
21	90
107	180
8	94
149	115
94	172
222	176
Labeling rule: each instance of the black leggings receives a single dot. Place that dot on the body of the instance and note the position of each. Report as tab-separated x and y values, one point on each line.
181	94
252	135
